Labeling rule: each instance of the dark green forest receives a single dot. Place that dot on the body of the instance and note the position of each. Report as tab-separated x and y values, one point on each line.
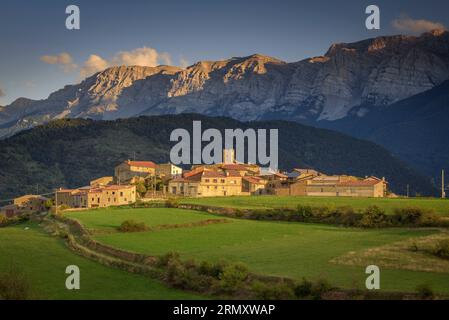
71	152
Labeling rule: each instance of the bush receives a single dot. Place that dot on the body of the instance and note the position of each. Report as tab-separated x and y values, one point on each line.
425	292
14	286
233	277
304	212
212	269
304	289
373	217
171	203
442	249
133	226
320	287
412	216
3	220
270	291
162	261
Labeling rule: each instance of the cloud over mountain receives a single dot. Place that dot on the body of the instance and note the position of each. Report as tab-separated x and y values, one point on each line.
2	93
146	57
63	59
407	24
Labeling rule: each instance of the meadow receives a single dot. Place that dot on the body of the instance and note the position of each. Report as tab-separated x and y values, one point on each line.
43	260
439	206
292	250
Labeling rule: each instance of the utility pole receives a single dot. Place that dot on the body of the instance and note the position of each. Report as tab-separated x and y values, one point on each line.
56	202
408	191
443	193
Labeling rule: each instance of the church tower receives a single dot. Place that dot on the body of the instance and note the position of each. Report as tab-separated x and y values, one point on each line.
228	156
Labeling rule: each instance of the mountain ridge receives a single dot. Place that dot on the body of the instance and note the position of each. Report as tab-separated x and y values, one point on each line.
374	72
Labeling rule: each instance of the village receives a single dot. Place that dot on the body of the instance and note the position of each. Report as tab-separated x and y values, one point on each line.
146	181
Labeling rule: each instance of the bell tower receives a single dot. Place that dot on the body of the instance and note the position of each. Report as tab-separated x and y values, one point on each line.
228	156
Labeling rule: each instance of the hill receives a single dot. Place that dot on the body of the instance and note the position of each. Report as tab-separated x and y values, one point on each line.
415	129
71	152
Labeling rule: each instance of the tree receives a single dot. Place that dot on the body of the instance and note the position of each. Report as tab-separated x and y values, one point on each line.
141	189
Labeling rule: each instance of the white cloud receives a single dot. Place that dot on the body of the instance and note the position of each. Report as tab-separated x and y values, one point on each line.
147	57
2	93
92	65
407	24
63	59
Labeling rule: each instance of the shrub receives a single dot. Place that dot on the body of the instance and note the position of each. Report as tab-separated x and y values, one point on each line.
171	203
233	277
320	287
425	292
442	249
270	291
14	286
373	217
212	269
3	220
133	226
304	212
304	289
162	261
413	216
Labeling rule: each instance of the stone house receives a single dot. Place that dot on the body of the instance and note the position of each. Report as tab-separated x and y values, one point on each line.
25	204
128	170
203	182
97	197
167	171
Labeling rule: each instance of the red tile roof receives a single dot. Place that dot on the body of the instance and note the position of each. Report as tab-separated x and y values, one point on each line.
234	166
254	180
145	164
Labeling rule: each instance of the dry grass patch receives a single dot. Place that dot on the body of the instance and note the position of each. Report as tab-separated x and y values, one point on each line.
412	254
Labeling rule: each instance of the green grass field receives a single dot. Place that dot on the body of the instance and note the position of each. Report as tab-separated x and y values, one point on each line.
274	248
43	260
440	206
111	218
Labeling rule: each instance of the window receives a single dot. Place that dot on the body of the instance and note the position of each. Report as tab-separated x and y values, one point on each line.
215	181
222	180
207	180
121	194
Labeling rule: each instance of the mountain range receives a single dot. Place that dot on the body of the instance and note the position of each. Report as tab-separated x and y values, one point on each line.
71	152
370	89
373	72
415	129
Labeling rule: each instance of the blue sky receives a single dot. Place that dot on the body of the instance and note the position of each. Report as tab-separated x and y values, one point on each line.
183	31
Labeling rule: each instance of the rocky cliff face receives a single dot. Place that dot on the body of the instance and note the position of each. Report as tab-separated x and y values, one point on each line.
373	72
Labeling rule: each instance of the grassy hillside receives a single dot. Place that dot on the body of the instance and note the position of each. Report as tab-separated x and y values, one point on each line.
283	249
439	206
43	260
70	153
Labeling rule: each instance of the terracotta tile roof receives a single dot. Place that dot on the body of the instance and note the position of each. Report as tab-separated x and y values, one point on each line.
145	164
234	166
254	180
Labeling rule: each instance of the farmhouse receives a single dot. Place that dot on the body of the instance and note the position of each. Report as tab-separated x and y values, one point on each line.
206	182
128	170
168	171
96	197
25	204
